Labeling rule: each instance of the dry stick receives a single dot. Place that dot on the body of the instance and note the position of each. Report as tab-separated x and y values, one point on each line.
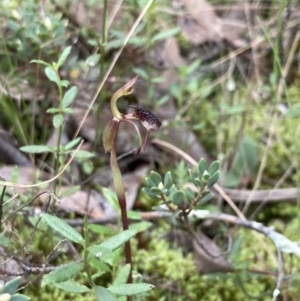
219	189
114	12
277	185
280	276
128	36
270	195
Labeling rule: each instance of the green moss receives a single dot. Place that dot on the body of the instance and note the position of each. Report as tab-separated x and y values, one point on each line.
175	276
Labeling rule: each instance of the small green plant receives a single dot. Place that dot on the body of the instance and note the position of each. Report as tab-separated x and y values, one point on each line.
59	114
98	257
182	199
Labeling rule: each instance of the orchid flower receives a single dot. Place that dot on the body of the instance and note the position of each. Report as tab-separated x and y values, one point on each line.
150	122
147	119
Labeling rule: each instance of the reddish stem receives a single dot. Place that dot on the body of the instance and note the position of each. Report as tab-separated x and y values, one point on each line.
119	187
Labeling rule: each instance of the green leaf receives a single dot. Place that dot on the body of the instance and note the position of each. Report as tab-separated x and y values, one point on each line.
4	241
100	252
206	196
245	162
72	143
58	120
64	83
82	154
294	111
99	265
156	178
68	111
214	166
19	297
131	289
198	182
111	197
40	62
141	226
63	56
168	181
192	176
51	74
158	80
141	72
155	190
190	194
178	197
62	228
93	59
162	101
69	97
15	174
103	294
202	166
123	274
62	273
150	183
36	149
213	179
97	275
69	191
72	287
150	193
205	176
166	34
133	215
192	67
11	286
100	229
118	240
52	110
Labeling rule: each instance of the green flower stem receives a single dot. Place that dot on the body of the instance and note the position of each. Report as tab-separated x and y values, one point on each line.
119	187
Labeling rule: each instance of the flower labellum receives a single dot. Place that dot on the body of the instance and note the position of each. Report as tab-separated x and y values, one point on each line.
148	119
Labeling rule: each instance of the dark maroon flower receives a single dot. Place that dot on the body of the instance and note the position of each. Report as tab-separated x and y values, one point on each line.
148	119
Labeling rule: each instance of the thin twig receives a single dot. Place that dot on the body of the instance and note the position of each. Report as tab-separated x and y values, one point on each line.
280	277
